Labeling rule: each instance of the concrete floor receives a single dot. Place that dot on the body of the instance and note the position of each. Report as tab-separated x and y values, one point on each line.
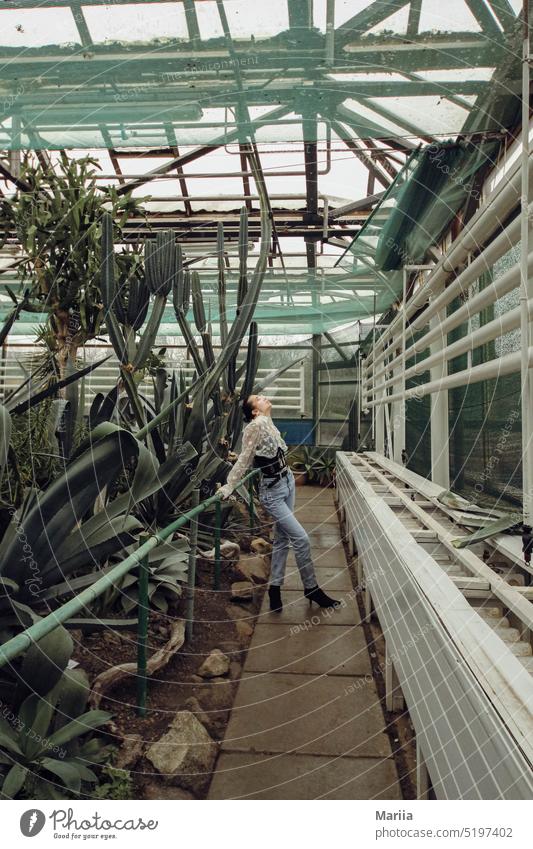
307	722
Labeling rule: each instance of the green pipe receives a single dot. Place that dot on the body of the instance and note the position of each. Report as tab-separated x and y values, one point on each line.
191	574
142	635
44	626
218	522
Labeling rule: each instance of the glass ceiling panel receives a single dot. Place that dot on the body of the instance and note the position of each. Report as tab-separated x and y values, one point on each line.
140	73
130	23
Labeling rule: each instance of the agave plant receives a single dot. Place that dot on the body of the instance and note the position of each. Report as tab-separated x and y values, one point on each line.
167	571
47	745
59	532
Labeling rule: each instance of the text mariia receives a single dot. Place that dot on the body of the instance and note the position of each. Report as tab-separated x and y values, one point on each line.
394	815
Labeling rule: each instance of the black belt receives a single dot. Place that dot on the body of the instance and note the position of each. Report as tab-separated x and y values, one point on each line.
271	467
275	478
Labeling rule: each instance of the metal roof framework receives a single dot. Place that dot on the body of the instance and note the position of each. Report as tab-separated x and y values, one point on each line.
183	83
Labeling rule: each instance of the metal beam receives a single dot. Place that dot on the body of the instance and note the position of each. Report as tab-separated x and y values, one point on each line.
373	14
415	7
202	151
357	149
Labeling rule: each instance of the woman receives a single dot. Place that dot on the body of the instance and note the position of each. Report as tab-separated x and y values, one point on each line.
263	446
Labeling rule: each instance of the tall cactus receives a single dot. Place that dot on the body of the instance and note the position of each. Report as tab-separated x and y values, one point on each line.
243	256
224	366
252	362
125	320
223	321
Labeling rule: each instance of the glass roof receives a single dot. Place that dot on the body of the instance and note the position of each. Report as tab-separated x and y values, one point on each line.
96	74
337	95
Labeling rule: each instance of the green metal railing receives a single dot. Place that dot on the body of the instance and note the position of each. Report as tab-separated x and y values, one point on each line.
18	644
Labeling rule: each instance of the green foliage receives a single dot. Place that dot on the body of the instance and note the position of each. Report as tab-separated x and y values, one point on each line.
118	786
48	749
318	462
57	223
167	571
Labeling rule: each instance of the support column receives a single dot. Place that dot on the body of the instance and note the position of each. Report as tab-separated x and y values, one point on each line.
526	287
399	407
394	700
422	774
439	425
380	415
317	347
398	411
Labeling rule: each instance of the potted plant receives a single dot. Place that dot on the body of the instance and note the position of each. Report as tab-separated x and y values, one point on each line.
296	461
324	467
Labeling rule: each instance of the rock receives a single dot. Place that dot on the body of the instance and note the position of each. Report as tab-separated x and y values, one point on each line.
261	546
130	751
254	568
228	550
244	630
215	665
207	720
186	753
196	679
216	694
160	790
242	591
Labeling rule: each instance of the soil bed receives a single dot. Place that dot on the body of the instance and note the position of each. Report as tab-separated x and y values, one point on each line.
219	623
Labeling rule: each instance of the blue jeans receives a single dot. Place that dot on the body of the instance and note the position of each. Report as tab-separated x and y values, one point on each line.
278	501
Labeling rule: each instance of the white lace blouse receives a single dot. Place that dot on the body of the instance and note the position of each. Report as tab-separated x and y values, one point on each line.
261	437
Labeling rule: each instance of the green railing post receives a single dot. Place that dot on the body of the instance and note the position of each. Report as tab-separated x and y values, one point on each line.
191	576
218	522
251	502
142	631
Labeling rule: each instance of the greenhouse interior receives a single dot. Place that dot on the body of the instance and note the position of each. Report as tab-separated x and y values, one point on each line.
266	401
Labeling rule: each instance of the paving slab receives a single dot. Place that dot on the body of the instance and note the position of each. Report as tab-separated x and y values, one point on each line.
324	536
333	556
296	610
307	722
314	493
319	715
318	516
285	647
242	775
330	578
326	507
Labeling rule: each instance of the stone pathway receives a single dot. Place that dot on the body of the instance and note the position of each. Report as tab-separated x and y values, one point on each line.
306	722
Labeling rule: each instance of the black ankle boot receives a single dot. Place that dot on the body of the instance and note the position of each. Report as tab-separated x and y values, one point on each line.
315	594
274	595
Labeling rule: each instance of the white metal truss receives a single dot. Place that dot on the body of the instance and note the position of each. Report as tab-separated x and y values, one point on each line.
467	685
